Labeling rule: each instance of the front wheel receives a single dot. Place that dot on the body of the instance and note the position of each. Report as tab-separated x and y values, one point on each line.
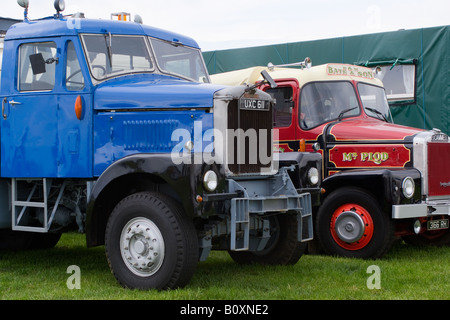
150	243
350	223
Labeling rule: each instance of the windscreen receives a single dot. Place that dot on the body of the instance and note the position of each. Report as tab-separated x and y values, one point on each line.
112	55
321	102
375	102
179	60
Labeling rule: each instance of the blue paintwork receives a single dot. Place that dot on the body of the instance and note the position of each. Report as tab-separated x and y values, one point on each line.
123	116
153	91
139	113
42	137
72	27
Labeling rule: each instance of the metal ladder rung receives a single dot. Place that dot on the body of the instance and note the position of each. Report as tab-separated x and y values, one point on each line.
29	204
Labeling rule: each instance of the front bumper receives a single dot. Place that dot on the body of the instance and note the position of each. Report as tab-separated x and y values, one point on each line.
426	209
261	197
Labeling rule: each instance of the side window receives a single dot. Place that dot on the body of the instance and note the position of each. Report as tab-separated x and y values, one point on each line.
37	66
399	82
282	112
74	76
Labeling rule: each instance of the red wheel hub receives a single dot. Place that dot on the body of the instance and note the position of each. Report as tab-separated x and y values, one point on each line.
351	226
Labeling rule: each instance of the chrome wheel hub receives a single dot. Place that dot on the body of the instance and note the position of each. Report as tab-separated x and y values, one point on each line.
142	247
349	226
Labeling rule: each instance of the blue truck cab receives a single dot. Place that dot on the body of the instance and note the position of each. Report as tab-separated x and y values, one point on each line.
112	128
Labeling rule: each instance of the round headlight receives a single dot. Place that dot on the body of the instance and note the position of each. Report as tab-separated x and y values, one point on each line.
210	180
408	187
313	176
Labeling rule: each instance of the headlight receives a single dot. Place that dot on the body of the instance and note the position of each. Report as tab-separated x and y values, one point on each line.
408	187
313	176
210	180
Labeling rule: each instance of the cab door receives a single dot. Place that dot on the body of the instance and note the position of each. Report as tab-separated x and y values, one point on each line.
285	115
41	135
29	134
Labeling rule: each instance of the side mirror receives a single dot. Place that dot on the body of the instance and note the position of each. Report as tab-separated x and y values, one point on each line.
37	63
269	79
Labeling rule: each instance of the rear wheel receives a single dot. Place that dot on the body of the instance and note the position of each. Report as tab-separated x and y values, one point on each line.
150	243
350	223
282	248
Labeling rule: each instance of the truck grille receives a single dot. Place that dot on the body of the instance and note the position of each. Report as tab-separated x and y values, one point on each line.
438	169
249	150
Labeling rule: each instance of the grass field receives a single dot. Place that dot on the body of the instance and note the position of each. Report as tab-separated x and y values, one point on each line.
406	273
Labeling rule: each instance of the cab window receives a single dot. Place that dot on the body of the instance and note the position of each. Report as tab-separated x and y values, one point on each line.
74	75
282	111
37	66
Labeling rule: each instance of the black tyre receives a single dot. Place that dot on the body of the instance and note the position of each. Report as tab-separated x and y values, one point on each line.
283	247
150	243
350	223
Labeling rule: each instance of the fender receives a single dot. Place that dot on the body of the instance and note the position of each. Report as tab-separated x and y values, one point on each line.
384	184
142	172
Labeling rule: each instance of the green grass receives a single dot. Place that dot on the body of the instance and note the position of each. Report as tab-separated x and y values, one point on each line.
407	272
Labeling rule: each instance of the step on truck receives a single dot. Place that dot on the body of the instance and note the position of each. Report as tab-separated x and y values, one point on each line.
382	181
112	128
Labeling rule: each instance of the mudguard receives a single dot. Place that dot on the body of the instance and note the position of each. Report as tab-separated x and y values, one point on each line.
385	184
182	182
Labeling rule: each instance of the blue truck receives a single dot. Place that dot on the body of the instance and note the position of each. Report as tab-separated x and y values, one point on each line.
112	129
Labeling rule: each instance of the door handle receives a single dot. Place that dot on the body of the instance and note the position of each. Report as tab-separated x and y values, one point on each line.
12	102
3	107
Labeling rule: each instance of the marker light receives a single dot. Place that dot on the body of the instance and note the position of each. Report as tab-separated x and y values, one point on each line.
79	107
138	19
23	3
60	5
408	187
302	145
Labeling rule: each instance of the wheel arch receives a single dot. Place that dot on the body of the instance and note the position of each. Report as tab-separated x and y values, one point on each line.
374	183
150	172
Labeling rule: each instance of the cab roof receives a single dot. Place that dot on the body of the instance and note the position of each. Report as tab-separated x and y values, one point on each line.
51	27
325	72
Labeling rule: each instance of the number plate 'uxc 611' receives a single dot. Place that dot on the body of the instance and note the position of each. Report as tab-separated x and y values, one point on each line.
254	104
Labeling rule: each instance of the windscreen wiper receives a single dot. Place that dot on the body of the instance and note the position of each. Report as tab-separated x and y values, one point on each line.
109	47
344	112
377	112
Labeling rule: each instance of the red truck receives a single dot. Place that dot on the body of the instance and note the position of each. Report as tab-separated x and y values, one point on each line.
381	181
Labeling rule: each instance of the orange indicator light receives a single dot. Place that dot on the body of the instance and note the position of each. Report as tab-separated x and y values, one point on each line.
79	107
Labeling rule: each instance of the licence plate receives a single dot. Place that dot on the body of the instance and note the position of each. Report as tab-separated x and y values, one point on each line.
254	104
437	224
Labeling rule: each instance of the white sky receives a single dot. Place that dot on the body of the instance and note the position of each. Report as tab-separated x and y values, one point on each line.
228	24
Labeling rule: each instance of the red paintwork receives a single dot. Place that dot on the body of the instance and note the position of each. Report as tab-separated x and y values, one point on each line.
363	128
